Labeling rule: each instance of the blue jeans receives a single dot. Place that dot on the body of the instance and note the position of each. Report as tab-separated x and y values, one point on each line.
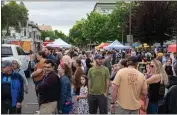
67	109
36	84
152	108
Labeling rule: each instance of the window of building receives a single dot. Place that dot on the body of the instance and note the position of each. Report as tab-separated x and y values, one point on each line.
29	34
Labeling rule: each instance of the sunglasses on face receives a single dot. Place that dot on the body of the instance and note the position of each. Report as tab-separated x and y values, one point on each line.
151	66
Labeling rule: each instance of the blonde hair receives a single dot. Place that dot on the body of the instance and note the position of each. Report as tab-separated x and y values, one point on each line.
161	71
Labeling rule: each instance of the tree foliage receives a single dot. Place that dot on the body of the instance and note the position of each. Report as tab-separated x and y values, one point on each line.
114	26
100	27
13	15
54	35
151	21
76	33
154	21
93	25
49	34
60	34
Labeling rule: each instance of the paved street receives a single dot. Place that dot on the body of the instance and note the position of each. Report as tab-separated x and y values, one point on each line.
29	105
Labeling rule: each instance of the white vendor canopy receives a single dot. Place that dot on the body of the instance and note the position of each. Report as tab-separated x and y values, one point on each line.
59	43
116	45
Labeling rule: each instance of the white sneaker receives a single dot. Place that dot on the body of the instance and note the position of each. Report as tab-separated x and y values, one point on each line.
37	112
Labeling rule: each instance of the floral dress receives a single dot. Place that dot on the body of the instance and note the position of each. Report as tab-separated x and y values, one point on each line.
83	103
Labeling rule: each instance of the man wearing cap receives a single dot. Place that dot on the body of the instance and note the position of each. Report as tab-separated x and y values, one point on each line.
127	87
98	84
12	90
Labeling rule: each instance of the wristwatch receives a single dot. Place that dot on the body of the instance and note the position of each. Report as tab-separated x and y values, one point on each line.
112	102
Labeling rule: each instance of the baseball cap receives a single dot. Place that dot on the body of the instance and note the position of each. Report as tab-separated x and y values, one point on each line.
6	63
98	57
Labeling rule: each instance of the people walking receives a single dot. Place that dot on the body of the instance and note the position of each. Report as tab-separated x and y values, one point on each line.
127	87
98	85
38	73
48	53
65	101
49	89
16	68
12	89
156	83
77	76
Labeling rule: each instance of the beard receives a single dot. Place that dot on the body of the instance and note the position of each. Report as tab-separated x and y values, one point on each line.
99	63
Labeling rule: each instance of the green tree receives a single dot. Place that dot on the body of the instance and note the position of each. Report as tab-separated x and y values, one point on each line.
154	21
95	22
76	34
49	34
60	34
13	15
115	26
54	35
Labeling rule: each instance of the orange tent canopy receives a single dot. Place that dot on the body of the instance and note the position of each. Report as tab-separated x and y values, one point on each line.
172	48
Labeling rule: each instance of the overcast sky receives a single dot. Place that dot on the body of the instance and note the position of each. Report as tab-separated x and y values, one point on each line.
60	15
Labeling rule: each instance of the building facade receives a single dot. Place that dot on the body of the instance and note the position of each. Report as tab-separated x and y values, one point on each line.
45	27
31	31
105	6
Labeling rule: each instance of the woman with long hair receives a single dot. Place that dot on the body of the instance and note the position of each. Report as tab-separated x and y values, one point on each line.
77	76
156	83
65	102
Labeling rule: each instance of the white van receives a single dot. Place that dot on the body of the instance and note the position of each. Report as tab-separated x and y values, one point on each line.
11	52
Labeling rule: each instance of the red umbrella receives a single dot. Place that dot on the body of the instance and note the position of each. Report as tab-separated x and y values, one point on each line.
172	48
105	44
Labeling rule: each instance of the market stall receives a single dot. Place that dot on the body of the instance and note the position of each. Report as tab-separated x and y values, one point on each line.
102	45
116	45
59	43
145	45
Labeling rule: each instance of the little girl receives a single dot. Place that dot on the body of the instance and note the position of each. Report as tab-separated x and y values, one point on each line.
83	107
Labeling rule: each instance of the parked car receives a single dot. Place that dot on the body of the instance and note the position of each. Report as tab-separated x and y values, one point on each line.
11	52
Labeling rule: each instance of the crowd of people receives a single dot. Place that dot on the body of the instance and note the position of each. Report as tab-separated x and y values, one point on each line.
79	82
